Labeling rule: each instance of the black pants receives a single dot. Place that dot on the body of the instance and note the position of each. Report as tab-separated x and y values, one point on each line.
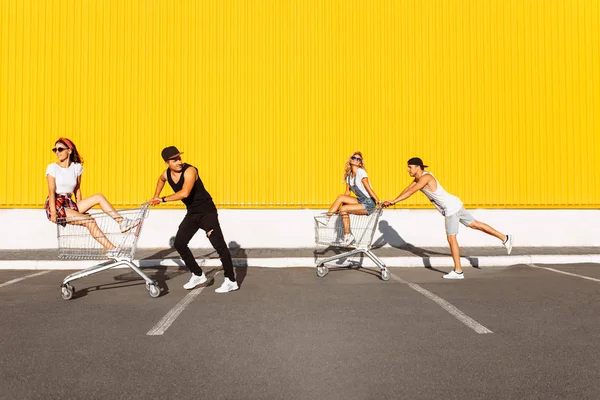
207	222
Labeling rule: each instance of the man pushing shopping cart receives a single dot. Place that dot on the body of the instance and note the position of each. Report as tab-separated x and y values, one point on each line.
201	214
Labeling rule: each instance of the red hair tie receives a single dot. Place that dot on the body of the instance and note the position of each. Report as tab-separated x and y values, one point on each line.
67	142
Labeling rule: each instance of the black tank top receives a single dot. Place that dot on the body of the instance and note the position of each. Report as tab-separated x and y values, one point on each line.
199	200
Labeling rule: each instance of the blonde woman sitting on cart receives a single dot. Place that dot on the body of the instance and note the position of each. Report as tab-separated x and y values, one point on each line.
365	202
64	180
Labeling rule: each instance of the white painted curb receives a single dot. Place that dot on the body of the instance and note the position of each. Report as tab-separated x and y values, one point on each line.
285	262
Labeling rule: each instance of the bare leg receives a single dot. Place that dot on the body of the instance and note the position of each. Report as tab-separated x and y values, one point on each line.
76	218
345	222
455	251
350	209
483	227
99	199
339	202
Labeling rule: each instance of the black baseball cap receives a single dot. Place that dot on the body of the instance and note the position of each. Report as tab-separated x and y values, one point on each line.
170	152
416	161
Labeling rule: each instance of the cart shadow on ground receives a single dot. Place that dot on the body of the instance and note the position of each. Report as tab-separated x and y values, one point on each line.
392	238
161	274
354	262
389	236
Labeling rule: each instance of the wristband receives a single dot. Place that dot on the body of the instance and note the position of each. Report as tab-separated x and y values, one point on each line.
163	199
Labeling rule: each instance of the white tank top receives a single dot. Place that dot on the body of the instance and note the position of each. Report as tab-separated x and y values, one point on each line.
446	203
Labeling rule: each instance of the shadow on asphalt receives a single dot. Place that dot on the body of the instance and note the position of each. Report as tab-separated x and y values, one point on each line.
391	237
238	254
358	268
345	263
130	278
240	261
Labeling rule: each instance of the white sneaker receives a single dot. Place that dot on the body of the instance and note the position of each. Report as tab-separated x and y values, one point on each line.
348	239
128	224
227	286
508	243
194	281
454	275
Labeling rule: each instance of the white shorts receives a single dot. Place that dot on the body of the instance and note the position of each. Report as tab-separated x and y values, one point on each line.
462	216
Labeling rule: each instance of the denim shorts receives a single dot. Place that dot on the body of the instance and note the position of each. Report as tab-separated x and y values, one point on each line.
369	205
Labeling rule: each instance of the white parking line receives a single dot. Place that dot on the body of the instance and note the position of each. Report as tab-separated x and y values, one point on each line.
564	272
22	278
462	317
172	315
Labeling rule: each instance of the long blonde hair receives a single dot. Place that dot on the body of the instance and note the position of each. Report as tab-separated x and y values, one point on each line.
348	167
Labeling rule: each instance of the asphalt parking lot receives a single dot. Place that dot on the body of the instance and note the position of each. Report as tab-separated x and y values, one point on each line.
287	334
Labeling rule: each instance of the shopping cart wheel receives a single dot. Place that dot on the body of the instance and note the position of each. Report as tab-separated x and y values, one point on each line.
385	274
66	291
153	290
322	270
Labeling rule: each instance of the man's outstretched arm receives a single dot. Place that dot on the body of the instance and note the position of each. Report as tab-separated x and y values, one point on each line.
409	191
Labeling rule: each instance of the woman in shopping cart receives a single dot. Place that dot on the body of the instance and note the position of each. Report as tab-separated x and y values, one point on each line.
365	202
64	181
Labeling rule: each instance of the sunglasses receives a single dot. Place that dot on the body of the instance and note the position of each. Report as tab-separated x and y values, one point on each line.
59	149
356	159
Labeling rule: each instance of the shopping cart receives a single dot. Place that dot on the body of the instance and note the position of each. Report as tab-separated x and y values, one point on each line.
329	233
75	242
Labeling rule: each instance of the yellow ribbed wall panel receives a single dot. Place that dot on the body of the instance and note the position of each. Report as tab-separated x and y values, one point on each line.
268	98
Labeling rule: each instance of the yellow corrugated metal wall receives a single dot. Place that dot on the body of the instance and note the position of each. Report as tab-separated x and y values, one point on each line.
269	98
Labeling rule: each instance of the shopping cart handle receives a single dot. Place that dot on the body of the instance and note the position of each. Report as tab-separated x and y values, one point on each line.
153	202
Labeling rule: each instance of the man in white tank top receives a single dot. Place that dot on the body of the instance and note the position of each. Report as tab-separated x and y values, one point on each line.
451	207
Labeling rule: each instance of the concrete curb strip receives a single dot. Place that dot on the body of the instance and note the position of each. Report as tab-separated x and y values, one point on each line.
284	262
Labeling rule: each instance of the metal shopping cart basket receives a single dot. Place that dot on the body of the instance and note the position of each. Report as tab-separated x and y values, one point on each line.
329	232
75	242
